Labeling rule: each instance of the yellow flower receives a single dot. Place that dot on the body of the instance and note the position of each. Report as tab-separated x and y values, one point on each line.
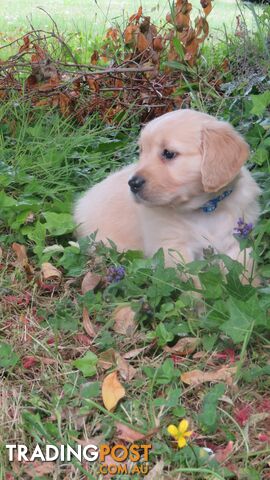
180	433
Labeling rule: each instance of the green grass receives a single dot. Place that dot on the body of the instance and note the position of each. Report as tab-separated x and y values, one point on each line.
92	17
46	395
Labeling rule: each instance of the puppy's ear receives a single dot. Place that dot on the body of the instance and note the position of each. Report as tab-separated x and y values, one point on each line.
223	153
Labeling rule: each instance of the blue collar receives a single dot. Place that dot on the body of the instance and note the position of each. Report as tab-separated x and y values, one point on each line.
212	204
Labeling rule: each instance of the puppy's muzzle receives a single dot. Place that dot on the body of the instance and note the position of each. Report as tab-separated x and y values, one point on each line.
136	183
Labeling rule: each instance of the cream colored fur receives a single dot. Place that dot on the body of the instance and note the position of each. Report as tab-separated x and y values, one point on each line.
166	213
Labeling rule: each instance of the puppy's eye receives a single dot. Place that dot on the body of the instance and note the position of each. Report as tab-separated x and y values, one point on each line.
168	155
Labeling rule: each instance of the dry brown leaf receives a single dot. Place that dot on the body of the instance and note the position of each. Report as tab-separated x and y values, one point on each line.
49	272
196	377
129	33
207	6
21	254
87	324
124	320
26	44
64	104
93	84
128	434
156	472
142	42
182	20
90	282
50	85
136	16
112	391
107	359
113	34
94	57
184	346
22	258
158	43
134	353
37	469
44	102
126	371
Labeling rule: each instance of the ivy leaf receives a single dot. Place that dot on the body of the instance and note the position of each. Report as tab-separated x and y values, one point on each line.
260	156
212	283
260	103
59	223
208	417
8	358
242	316
235	287
64	318
87	364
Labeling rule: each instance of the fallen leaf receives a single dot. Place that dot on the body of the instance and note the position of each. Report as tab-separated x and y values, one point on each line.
136	16
134	353
22	257
26	44
90	282
207	6
107	359
124	321
184	346
156	472
87	324
222	454
112	391
83	339
49	272
21	254
94	57
93	84
126	371
196	377
47	86
113	34
158	43
182	21
40	54
129	33
142	42
128	434
64	104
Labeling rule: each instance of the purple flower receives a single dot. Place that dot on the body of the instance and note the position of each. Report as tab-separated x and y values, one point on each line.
243	229
115	274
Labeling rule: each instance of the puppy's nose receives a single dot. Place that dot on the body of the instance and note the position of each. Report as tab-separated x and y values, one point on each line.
136	183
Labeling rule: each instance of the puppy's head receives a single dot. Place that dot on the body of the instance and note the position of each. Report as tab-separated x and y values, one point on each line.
183	154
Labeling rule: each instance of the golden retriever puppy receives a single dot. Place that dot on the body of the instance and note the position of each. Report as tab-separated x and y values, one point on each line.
187	191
